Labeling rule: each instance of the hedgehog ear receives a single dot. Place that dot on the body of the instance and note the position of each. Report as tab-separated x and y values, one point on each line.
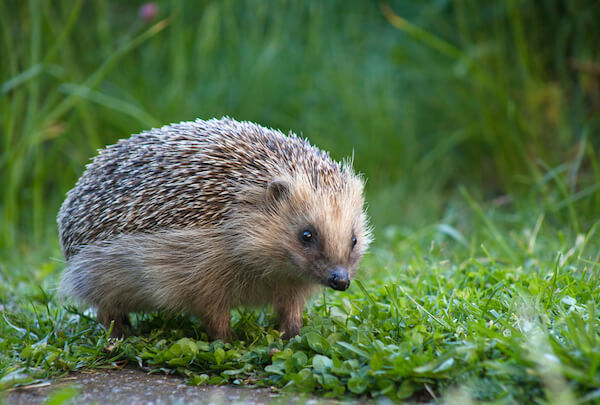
277	190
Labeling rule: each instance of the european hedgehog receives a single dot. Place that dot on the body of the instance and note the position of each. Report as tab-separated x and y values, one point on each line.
204	216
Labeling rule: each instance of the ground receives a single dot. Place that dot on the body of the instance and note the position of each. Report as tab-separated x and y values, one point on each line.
133	386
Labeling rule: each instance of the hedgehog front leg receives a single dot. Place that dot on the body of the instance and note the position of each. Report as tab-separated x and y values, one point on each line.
289	309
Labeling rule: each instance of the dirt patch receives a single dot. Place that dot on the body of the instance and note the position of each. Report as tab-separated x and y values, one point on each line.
133	386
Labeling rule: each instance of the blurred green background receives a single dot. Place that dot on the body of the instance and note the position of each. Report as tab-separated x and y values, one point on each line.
500	97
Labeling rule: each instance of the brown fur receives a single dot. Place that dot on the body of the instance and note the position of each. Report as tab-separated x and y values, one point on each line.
204	216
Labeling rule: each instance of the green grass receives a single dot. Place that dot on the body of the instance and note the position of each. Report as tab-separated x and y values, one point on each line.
476	125
504	312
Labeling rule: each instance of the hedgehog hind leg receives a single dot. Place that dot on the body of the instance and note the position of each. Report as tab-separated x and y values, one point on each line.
216	322
219	327
121	325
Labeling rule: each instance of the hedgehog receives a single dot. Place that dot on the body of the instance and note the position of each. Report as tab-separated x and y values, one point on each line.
201	217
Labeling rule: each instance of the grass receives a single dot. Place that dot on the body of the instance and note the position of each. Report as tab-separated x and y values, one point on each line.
507	311
475	124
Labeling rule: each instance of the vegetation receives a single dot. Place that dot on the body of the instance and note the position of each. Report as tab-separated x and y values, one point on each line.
476	125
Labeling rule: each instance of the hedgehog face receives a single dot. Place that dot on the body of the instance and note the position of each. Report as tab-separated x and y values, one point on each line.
327	249
322	234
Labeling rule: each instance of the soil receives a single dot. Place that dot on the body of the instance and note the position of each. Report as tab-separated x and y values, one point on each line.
131	386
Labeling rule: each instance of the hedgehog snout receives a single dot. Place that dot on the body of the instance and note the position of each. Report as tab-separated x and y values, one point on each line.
338	278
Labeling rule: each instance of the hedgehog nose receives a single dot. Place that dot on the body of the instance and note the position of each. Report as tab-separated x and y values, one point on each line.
338	278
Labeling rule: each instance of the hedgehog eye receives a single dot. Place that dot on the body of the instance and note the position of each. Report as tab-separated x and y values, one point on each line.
354	240
306	236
